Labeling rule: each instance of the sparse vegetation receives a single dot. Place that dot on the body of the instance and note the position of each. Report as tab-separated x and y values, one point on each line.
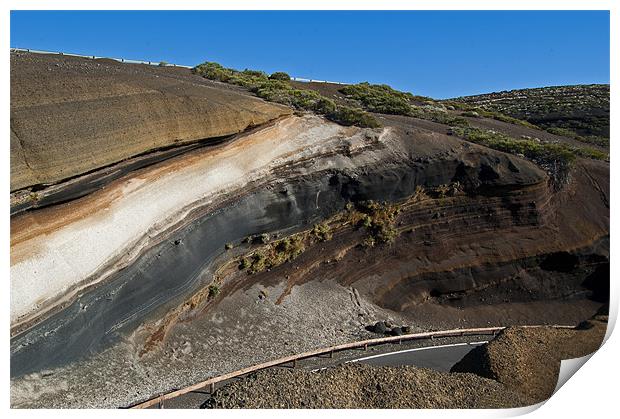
275	254
419	194
479	112
377	218
471	114
382	98
439	115
228	246
322	232
379	98
556	158
244	264
592	139
582	110
446	190
214	290
278	89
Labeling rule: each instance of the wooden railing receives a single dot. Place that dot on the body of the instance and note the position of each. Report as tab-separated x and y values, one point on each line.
292	359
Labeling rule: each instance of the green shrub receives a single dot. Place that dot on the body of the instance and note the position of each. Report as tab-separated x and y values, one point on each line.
535	150
322	232
379	220
254	73
280	75
277	89
214	290
590	139
379	98
432	114
244	264
346	115
214	71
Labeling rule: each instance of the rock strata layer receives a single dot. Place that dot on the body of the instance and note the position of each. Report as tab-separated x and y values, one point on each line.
70	115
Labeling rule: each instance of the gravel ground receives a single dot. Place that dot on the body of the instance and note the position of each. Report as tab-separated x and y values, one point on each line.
519	368
528	360
362	386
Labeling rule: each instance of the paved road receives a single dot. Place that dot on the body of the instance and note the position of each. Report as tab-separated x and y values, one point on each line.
440	358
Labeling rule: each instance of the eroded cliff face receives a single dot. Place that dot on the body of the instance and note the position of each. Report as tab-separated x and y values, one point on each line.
290	236
71	115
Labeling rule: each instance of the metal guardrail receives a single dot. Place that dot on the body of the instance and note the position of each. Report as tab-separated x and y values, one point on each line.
95	57
317	81
153	63
159	400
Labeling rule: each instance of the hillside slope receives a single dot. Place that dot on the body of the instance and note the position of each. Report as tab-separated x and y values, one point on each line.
582	110
323	218
72	115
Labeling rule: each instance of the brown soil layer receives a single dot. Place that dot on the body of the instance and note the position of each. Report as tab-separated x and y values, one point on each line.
72	115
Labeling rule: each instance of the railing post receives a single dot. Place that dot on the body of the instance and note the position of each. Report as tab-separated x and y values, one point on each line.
212	388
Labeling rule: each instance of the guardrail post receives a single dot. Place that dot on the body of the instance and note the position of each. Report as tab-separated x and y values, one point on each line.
212	388
331	354
365	346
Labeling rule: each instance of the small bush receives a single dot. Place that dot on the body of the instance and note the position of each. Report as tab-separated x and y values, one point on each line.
378	219
379	98
322	232
276	89
345	115
228	246
280	75
244	264
254	73
214	290
435	115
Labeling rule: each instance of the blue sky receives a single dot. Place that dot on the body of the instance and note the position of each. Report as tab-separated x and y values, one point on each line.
434	53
